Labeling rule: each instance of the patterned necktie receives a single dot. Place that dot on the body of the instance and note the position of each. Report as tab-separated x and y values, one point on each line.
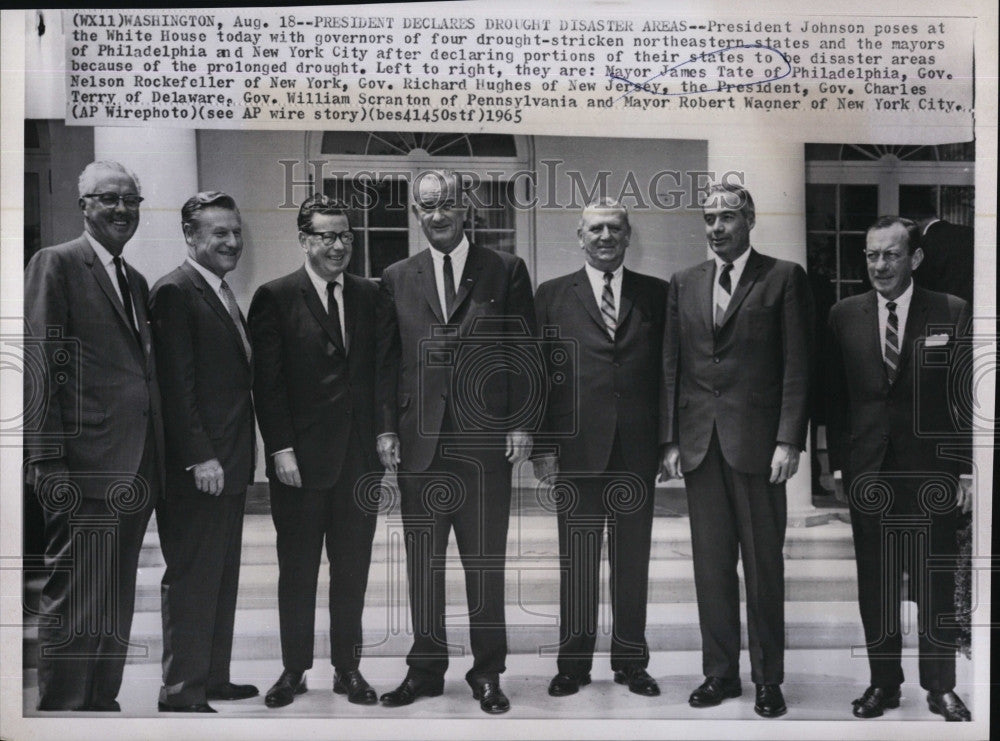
333	309
608	306
126	296
234	313
726	284
449	287
892	342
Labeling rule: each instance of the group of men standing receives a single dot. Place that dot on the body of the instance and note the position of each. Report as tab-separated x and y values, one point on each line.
705	377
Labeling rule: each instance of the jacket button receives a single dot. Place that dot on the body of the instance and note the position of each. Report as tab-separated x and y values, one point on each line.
617	395
715	360
885	438
717	392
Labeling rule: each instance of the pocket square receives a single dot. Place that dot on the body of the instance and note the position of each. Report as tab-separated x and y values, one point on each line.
936	340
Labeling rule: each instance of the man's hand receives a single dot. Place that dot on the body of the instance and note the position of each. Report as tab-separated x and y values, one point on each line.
545	467
287	467
388	450
209	477
518	445
784	463
963	497
670	465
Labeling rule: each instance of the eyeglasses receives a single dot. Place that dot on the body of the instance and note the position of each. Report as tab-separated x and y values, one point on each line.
330	238
873	256
110	200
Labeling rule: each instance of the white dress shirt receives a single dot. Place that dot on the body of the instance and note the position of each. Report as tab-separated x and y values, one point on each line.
596	278
338	294
902	311
108	261
720	297
458	257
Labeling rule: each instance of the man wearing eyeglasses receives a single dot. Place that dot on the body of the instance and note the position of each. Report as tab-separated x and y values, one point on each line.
313	335
900	383
95	453
204	354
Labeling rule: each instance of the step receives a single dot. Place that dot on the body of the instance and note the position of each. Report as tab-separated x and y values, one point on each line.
670	627
536	535
529	581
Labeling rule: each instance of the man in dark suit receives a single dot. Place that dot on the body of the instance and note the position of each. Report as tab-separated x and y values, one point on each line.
734	413
897	366
949	258
101	416
205	380
449	312
614	317
314	386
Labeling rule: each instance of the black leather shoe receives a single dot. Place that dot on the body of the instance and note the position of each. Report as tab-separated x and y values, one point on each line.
770	702
413	686
230	691
198	707
283	691
875	701
351	683
949	705
713	691
638	681
567	684
491	698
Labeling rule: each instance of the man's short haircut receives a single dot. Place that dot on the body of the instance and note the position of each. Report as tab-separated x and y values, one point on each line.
912	230
91	175
443	176
322	204
735	197
206	199
606	204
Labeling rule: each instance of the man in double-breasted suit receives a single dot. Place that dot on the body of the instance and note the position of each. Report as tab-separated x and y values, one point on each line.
449	414
899	377
604	429
314	383
96	448
733	420
205	380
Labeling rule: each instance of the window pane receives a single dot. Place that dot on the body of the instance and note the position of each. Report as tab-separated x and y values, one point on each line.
821	255
387	248
852	257
858	207
357	264
958	204
499	241
917	201
821	207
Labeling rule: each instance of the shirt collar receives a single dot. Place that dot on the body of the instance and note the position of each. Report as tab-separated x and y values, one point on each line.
902	301
738	264
598	275
457	254
320	283
103	255
214	281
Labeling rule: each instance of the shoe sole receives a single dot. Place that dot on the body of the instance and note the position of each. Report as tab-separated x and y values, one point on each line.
299	690
877	712
624	681
937	711
727	696
339	690
437	692
775	714
581	683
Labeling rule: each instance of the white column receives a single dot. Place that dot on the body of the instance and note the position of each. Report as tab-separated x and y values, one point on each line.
773	170
166	163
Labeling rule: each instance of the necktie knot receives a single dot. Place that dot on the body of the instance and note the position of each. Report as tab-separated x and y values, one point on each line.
891	306
726	278
608	277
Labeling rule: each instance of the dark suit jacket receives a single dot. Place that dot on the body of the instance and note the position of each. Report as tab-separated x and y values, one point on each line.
618	383
205	381
419	371
100	397
948	260
308	392
749	380
866	413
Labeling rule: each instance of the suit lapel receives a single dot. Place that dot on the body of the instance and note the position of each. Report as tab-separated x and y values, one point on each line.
750	273
873	339
316	309
916	326
585	292
215	303
428	285
101	276
706	291
627	299
352	310
470	274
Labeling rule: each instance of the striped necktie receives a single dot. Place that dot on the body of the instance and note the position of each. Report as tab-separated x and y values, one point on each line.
892	342
608	306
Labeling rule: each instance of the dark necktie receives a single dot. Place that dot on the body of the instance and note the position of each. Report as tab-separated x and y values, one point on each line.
333	309
449	287
234	312
892	342
726	283
608	306
126	296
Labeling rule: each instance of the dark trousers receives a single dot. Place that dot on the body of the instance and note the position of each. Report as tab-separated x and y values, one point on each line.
624	504
463	495
304	519
201	539
904	537
91	552
734	514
